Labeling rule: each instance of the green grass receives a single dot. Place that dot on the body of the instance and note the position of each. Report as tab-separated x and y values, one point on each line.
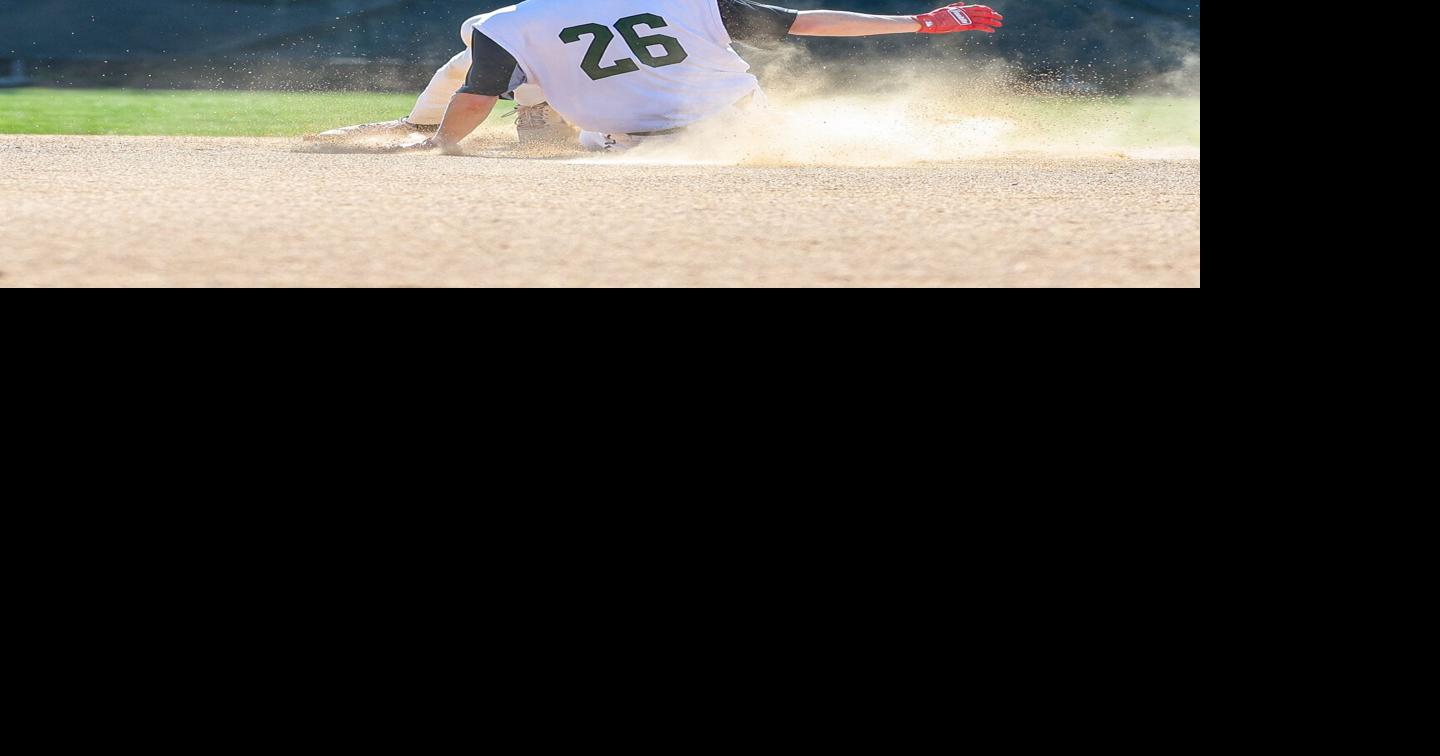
1137	121
132	112
1132	121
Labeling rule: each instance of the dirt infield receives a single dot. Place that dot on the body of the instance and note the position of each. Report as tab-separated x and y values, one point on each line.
138	211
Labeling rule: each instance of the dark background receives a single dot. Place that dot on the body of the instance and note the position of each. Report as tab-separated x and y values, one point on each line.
394	44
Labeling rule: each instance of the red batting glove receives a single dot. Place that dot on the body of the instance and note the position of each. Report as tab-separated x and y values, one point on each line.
960	18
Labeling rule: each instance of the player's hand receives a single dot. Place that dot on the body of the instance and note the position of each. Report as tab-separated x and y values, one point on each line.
424	145
959	17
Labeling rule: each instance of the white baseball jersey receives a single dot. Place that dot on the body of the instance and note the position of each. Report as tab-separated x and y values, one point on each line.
625	66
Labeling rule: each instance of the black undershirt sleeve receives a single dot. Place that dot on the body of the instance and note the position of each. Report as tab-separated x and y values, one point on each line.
491	68
752	23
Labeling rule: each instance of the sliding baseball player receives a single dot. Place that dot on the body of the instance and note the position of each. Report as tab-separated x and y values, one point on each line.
622	71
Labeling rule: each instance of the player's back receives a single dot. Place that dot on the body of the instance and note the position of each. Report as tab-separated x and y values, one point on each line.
625	66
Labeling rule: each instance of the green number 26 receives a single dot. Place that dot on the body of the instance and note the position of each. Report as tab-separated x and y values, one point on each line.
602	37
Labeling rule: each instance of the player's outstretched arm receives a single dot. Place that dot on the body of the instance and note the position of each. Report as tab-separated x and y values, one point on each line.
957	17
465	114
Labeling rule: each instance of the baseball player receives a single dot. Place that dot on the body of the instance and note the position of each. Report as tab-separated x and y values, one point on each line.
626	70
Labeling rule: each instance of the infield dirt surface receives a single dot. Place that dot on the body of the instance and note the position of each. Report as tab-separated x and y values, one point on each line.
165	211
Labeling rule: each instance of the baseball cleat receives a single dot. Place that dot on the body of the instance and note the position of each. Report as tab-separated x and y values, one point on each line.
398	128
540	124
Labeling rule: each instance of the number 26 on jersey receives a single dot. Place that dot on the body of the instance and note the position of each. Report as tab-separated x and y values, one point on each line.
601	37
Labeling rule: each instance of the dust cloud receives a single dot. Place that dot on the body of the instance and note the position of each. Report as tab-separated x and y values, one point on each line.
913	114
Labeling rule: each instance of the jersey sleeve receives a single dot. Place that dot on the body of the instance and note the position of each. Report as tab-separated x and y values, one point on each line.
755	24
492	68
